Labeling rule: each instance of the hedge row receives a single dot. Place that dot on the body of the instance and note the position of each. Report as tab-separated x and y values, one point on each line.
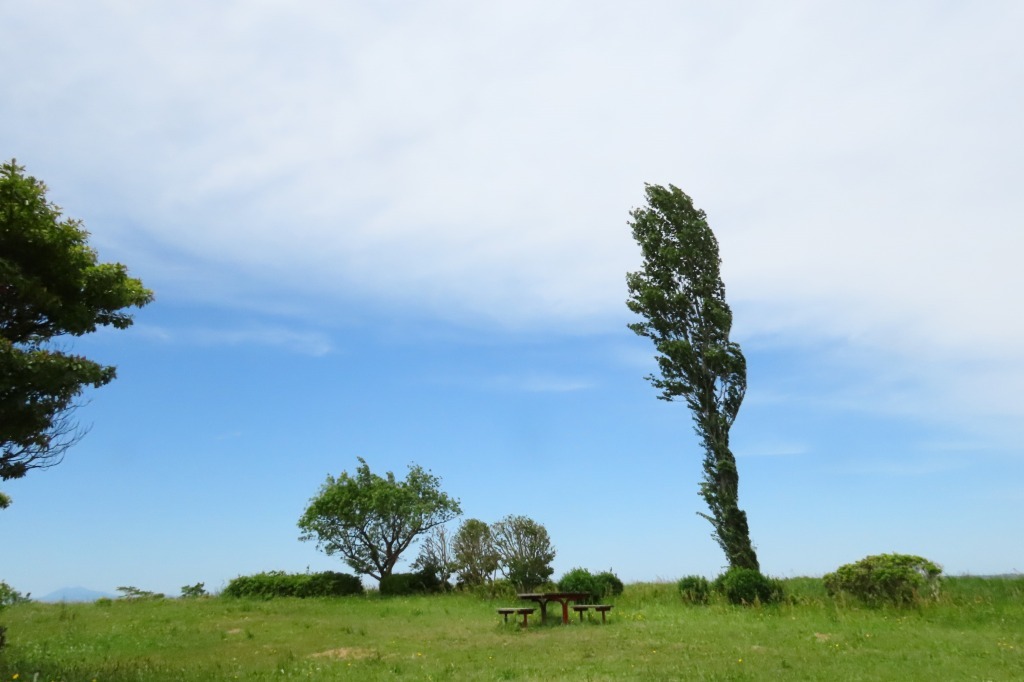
280	584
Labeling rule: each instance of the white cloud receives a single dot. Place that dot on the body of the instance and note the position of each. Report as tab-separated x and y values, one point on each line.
298	341
542	383
860	163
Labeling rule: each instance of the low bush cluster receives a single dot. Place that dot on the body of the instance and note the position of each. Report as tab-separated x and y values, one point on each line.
280	584
694	589
897	579
495	589
748	586
9	595
737	586
421	582
599	587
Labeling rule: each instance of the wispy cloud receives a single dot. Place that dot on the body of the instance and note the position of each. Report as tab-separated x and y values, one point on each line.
539	383
904	464
302	342
859	163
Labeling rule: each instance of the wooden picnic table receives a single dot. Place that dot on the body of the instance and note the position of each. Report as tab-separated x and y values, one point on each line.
562	598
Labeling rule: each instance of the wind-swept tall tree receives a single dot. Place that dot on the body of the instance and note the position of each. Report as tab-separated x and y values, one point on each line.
680	294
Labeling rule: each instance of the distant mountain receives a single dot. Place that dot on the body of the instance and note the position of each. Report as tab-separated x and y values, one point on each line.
75	594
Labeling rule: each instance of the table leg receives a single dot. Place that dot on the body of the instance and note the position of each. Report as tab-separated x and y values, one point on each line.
565	612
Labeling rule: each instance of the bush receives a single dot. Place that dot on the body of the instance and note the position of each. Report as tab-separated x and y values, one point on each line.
694	589
747	586
9	595
608	584
132	592
600	586
580	580
193	591
898	579
421	582
496	589
280	584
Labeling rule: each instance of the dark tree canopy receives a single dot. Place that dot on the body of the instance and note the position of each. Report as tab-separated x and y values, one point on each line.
51	287
680	294
370	520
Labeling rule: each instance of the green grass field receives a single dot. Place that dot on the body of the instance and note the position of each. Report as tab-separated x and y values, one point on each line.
974	632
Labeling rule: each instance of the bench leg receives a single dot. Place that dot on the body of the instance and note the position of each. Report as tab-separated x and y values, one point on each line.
602	616
525	616
506	617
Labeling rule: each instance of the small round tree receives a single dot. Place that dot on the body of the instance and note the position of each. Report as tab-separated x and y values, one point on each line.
370	520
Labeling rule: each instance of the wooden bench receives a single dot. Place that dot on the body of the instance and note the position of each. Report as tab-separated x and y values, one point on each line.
525	613
602	608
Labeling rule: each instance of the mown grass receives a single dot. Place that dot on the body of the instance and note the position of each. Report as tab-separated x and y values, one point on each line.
974	632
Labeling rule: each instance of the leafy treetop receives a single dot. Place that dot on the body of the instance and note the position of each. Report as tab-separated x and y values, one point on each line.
51	286
370	520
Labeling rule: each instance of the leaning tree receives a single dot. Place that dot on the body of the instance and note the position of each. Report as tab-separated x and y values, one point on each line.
680	295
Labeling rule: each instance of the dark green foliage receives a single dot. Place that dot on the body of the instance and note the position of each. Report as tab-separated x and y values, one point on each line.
680	294
501	589
398	584
9	595
370	520
694	589
132	592
608	584
580	580
280	584
401	584
599	587
898	579
51	287
747	586
192	591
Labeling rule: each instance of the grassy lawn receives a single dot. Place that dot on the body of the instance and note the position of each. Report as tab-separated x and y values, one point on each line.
975	632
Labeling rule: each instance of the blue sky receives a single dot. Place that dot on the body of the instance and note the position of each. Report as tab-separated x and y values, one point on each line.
399	232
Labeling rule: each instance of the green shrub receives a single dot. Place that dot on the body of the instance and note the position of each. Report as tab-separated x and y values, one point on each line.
694	589
193	591
9	595
608	584
397	584
132	592
747	586
280	584
496	589
580	580
331	584
600	586
898	579
421	582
